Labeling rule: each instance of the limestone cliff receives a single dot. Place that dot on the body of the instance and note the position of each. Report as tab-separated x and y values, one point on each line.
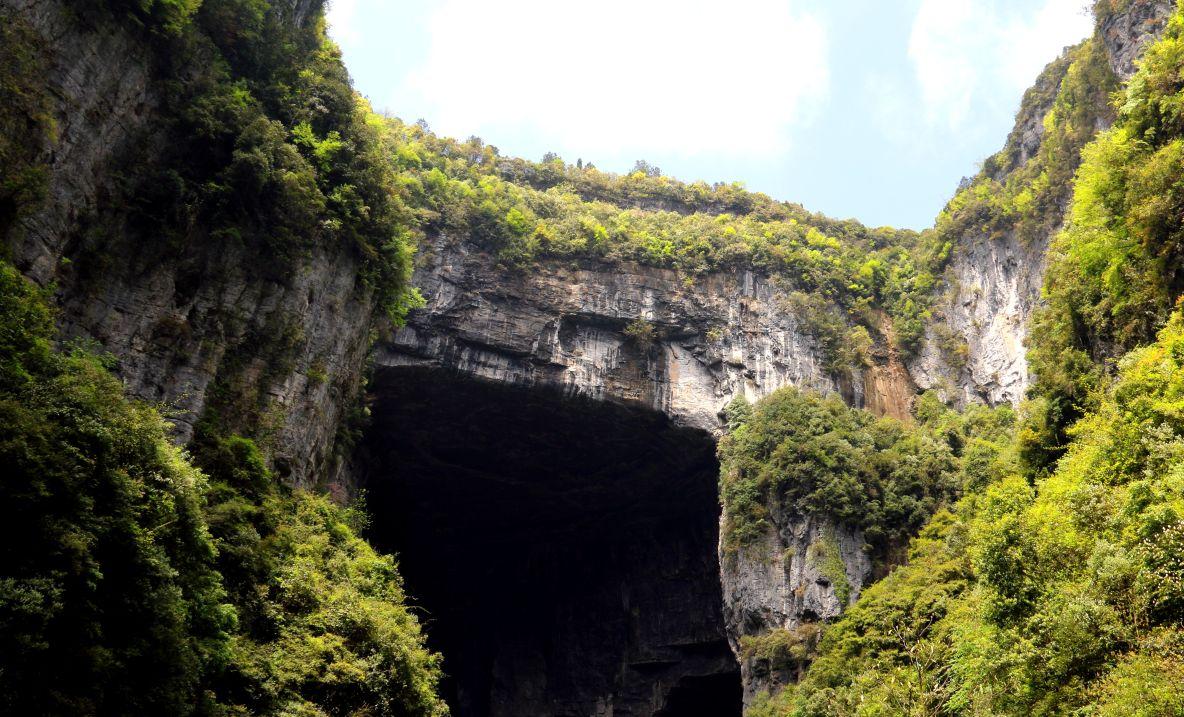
1126	31
568	324
182	320
804	570
993	282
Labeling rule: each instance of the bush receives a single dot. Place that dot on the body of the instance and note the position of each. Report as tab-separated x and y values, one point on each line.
132	584
109	600
817	456
324	628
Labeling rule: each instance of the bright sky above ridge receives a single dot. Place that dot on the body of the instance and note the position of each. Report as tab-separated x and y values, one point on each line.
871	109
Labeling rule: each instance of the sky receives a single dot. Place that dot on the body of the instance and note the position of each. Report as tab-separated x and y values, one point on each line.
871	109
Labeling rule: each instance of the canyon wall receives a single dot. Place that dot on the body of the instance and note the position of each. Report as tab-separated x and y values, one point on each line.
628	334
179	321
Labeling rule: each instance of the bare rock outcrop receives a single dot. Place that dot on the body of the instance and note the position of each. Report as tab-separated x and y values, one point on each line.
996	286
628	334
803	570
1126	32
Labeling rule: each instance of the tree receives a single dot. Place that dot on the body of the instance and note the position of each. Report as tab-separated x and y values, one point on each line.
646	168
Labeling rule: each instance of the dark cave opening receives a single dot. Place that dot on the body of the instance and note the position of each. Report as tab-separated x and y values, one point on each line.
562	551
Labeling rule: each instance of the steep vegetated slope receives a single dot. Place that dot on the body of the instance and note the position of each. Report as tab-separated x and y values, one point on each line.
135	583
641	289
1002	221
820	501
1062	597
219	210
185	178
1053	586
1114	273
999	226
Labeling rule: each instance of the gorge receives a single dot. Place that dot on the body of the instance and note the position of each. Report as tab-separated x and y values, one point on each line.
525	373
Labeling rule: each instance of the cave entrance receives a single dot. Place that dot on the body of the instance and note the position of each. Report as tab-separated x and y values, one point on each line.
563	551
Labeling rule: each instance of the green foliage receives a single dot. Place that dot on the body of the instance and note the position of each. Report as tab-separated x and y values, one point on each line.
641	332
1022	191
1066	597
738	412
163	18
272	150
109	602
780	653
888	653
816	456
1024	195
168	16
1060	591
132	584
323	625
1114	272
525	212
265	160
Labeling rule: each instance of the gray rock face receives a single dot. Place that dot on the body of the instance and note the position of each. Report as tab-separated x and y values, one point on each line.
102	109
567	325
172	344
1126	33
177	325
804	570
995	287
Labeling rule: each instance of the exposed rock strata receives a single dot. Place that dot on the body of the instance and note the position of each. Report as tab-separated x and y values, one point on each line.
994	289
1126	33
566	325
105	105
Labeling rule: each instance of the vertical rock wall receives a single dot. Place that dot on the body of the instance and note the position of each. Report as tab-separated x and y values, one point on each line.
178	325
804	570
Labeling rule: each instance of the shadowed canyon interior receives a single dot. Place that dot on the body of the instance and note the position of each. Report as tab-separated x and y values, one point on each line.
563	551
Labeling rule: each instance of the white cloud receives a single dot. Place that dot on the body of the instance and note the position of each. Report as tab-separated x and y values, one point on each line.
1033	45
341	20
617	76
962	50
